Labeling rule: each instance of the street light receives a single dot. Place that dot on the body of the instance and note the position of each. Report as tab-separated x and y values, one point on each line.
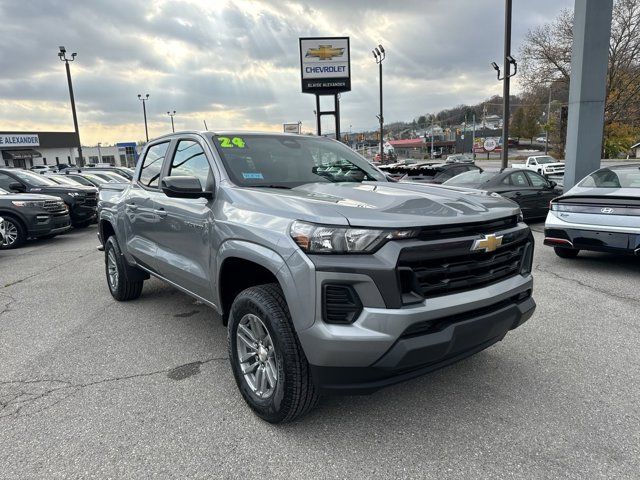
62	55
379	54
144	111
508	61
172	114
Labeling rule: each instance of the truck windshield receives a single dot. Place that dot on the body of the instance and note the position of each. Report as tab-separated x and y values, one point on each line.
544	160
289	161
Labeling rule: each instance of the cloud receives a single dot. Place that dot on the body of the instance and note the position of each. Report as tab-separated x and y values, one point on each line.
235	63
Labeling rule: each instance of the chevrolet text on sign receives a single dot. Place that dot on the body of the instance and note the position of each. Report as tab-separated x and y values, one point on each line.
325	66
18	140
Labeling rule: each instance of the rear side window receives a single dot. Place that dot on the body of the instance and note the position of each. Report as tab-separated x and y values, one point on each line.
537	180
152	165
190	160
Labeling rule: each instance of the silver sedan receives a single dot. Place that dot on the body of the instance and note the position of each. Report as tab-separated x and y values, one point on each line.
601	213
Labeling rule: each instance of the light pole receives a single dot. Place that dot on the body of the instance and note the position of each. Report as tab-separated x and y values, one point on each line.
144	111
99	153
508	61
379	54
62	55
172	114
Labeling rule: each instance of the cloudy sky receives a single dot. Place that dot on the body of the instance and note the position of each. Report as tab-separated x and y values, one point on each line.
235	63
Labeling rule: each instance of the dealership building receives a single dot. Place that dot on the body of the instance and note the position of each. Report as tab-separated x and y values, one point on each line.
27	149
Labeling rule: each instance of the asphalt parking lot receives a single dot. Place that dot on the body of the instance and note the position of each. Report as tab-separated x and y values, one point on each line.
94	388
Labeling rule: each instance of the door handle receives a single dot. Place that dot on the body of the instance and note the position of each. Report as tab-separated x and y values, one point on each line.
161	212
518	194
131	206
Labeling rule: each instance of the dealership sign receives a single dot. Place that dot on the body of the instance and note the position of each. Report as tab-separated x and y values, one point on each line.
291	127
19	140
325	65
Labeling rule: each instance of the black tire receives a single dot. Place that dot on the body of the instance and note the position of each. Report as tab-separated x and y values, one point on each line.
566	252
294	393
81	224
17	229
125	286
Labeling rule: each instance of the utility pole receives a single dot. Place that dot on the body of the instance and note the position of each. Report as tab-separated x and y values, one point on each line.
433	118
473	136
144	111
379	54
62	55
546	136
99	153
172	114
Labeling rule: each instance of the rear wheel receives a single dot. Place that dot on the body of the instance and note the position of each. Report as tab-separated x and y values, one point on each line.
120	274
14	235
566	252
267	360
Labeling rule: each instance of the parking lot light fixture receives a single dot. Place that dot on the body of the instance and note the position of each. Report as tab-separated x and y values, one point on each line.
62	55
144	112
379	54
172	114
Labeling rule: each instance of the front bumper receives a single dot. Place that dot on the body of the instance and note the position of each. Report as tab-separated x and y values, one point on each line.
40	223
82	213
441	343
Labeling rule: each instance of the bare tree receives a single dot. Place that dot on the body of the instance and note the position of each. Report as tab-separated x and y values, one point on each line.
545	57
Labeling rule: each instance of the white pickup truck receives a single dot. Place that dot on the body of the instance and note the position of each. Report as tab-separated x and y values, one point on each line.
543	164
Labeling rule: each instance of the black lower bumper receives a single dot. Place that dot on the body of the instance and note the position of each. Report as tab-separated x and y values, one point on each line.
81	214
597	241
415	355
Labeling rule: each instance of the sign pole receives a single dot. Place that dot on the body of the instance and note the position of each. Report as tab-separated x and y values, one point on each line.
337	115
318	123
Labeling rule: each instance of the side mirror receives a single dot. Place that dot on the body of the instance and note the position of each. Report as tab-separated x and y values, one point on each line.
184	187
17	187
552	184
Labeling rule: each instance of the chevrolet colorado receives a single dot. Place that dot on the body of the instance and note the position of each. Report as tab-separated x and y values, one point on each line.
329	277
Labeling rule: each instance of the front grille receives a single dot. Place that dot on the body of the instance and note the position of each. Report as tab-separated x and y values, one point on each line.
54	206
91	200
341	304
432	277
467	229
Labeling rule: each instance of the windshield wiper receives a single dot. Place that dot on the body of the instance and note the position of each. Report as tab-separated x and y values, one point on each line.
270	186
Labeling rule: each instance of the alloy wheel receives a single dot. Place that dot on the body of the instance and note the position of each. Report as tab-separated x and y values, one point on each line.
10	233
256	356
112	270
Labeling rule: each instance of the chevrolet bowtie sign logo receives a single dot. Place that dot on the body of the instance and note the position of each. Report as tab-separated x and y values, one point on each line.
487	244
325	52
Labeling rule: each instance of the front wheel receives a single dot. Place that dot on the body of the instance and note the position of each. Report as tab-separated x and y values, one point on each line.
14	234
566	252
267	360
121	286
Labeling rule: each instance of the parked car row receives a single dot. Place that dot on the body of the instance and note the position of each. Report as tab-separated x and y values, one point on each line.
43	205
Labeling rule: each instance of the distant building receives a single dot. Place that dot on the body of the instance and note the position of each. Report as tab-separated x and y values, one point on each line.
27	149
636	147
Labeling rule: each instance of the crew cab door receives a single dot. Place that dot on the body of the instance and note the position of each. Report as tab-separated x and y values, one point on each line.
142	220
185	240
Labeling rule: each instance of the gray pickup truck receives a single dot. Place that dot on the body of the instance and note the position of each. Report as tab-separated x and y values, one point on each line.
330	277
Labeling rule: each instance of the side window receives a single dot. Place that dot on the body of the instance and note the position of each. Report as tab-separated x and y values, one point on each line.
152	165
537	181
190	160
5	180
519	180
533	161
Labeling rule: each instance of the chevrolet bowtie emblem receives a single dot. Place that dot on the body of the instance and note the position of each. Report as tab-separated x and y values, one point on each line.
487	244
325	52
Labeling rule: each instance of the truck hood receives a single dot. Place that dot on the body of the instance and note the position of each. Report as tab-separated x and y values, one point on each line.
382	204
27	196
63	189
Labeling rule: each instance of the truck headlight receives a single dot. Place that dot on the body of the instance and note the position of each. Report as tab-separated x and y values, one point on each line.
28	203
313	238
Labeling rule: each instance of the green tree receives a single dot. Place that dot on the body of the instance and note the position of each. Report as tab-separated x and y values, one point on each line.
531	121
517	123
